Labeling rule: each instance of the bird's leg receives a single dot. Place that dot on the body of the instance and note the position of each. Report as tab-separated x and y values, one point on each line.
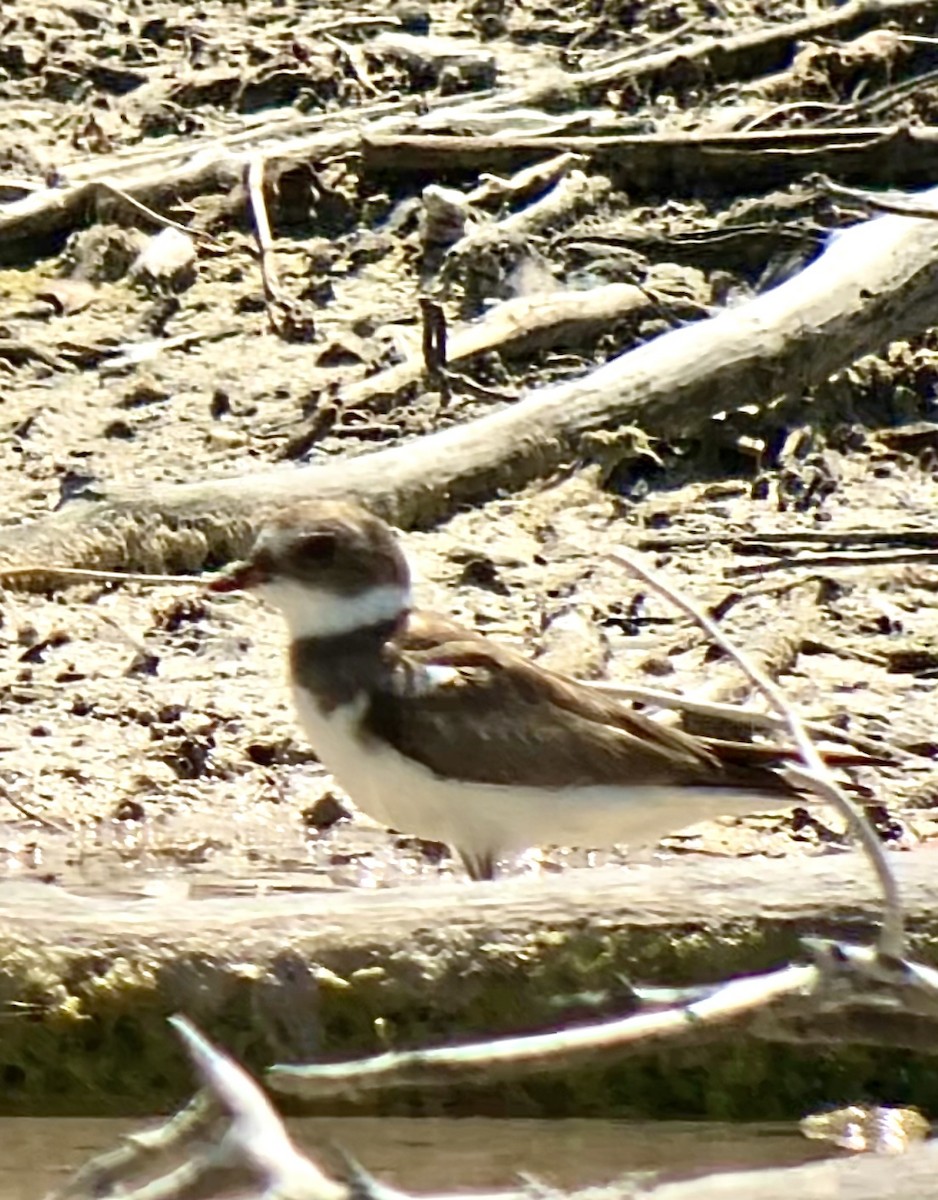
478	866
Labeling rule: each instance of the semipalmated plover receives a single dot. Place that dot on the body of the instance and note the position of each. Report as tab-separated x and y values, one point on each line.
437	731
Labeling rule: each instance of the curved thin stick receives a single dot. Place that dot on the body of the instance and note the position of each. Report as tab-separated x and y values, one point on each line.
817	776
77	573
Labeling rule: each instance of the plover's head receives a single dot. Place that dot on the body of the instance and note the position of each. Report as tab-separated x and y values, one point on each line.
330	568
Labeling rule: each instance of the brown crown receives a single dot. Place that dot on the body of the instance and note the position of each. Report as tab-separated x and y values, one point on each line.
331	544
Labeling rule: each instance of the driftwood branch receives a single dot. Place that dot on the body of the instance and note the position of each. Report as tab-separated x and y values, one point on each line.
230	1136
874	283
854	993
757	51
511	1057
677	163
251	1148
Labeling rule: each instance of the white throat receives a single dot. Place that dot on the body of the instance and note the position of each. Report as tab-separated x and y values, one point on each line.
312	612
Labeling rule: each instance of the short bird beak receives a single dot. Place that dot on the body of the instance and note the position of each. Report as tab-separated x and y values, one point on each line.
240	577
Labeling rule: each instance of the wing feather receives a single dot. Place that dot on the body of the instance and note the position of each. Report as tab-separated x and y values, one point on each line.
470	708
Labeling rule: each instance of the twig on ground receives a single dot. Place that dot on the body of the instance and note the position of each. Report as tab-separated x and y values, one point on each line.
817	776
462	383
151	214
646	162
31	815
17	350
754	542
785	110
669	39
79	574
864	559
254	179
434	346
355	57
286	317
130	354
778	588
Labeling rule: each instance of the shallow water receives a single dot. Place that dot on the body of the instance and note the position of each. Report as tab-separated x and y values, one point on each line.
429	1154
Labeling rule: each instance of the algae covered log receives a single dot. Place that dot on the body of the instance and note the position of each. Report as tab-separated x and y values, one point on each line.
334	975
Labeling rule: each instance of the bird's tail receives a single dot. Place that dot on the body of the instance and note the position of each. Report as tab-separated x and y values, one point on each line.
758	754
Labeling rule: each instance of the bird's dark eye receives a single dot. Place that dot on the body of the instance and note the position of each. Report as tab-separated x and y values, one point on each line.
316	549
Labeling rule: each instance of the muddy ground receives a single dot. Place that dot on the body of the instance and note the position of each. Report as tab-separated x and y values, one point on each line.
147	740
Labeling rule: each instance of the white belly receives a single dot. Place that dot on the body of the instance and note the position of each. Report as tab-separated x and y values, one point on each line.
492	820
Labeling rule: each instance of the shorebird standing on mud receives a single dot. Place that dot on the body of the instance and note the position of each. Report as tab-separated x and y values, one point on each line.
437	731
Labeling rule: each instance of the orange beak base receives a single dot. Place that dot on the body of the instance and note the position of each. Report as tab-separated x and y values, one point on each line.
240	577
